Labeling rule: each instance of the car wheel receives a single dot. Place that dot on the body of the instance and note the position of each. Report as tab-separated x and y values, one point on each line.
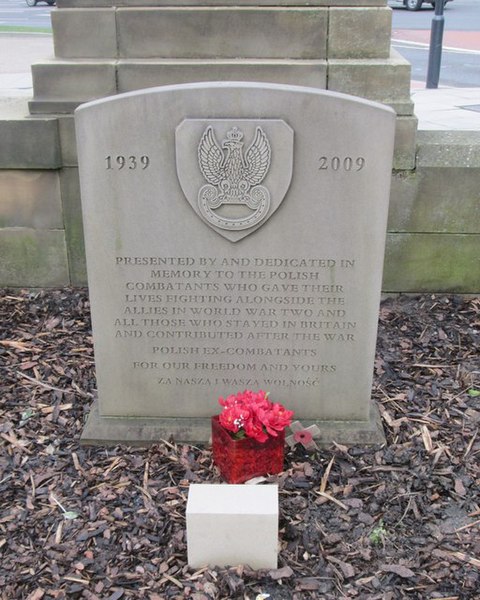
413	4
31	2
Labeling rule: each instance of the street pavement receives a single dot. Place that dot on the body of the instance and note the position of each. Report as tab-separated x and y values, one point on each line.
445	108
448	107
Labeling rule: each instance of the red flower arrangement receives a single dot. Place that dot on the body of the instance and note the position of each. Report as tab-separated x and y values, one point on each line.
248	437
251	414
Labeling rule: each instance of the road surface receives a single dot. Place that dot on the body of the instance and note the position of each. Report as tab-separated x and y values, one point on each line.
16	13
461	41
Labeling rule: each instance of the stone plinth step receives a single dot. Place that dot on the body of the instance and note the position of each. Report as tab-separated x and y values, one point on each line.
222	32
123	3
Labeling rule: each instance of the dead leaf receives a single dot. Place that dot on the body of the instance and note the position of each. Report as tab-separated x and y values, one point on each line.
399	570
427	440
38	594
460	488
20	346
282	573
346	568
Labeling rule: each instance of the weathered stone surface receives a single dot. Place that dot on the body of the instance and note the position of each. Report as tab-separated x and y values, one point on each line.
405	138
30	199
359	32
53	106
80	33
403	192
222	32
403	108
182	292
225	522
448	149
429	262
123	3
33	258
68	142
28	143
85	3
74	81
382	80
436	199
443	195
140	74
72	212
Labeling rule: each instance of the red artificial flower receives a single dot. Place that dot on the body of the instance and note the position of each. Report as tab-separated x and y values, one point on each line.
228	401
254	429
276	418
252	414
234	418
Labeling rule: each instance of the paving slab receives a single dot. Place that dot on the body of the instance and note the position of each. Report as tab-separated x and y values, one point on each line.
448	108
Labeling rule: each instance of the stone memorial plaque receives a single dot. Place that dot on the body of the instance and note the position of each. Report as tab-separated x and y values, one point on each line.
235	237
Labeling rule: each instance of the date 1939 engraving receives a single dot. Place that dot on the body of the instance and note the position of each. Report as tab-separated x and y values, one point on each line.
131	163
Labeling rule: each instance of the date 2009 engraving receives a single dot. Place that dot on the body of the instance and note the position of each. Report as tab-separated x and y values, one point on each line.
337	163
131	163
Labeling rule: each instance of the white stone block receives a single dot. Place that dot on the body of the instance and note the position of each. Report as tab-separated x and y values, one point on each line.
229	525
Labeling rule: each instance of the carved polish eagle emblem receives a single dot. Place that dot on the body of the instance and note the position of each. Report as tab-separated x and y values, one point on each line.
234	172
233	177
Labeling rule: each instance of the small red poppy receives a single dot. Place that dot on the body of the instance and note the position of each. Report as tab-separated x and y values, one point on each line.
303	437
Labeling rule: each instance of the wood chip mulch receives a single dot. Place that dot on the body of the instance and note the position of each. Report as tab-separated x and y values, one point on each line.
400	521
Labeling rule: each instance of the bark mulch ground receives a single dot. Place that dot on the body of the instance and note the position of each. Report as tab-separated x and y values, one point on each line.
400	521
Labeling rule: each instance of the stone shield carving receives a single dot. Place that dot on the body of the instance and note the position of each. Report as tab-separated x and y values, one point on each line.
234	173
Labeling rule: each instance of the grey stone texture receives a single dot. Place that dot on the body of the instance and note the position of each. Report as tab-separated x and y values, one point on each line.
28	143
140	74
359	32
30	199
80	33
33	257
167	40
73	82
434	219
449	149
428	202
382	80
85	3
150	3
428	262
222	32
68	142
73	223
405	137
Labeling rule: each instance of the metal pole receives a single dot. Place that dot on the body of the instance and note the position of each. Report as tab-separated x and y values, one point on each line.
436	38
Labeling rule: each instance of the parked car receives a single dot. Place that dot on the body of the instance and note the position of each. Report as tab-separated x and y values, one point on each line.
34	2
417	4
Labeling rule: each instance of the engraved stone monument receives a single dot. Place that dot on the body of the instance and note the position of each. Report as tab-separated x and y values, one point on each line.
235	237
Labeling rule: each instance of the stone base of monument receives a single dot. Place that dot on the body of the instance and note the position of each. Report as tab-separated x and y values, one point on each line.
229	525
134	431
